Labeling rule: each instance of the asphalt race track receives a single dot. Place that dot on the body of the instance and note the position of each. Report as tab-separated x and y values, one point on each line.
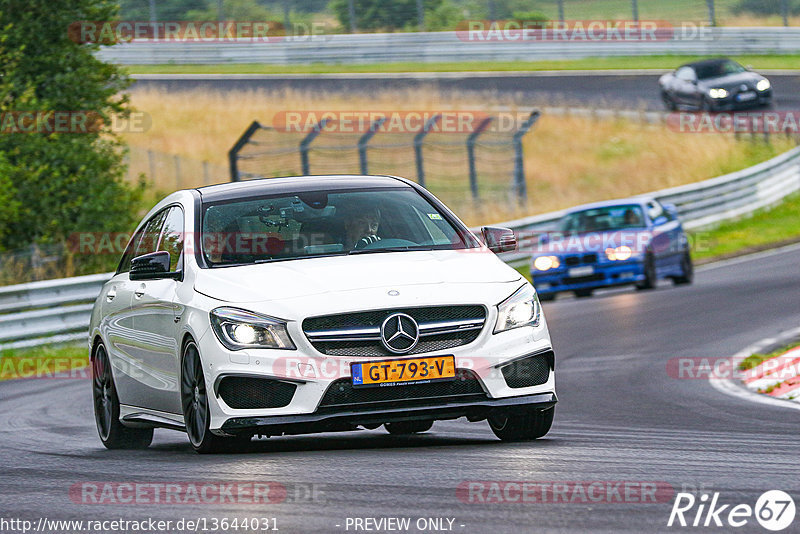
587	89
620	418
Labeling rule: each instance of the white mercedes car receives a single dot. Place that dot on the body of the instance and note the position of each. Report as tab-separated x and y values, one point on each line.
315	304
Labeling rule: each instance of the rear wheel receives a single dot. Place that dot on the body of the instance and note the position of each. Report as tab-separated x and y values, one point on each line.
547	297
523	425
196	415
649	281
113	433
687	268
668	102
408	427
583	293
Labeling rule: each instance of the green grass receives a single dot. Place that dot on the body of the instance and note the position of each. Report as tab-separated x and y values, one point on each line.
765	229
43	362
757	359
628	63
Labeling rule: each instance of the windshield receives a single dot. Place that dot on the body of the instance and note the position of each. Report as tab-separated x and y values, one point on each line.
322	223
715	70
604	219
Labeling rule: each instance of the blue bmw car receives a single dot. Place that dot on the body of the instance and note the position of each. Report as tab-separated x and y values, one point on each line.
613	243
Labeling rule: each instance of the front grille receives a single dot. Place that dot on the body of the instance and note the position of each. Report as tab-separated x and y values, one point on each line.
250	393
527	372
580	279
586	259
342	393
358	334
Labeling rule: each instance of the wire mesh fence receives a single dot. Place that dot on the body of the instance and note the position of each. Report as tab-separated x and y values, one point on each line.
171	172
462	159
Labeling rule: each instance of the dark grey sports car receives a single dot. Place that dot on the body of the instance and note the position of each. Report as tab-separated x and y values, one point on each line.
714	85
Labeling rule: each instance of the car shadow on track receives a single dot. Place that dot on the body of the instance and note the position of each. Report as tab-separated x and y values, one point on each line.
365	440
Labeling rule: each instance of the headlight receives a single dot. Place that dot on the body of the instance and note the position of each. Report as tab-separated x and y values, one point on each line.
545	263
619	254
239	329
520	309
718	93
763	85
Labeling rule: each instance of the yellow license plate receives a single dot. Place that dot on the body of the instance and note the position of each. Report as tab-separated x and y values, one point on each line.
403	372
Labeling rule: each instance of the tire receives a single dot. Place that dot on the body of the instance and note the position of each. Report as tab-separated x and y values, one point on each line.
649	281
523	425
687	268
196	415
112	432
408	427
706	105
583	293
668	102
547	297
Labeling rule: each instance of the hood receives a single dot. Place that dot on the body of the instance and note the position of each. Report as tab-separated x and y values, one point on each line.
732	81
340	274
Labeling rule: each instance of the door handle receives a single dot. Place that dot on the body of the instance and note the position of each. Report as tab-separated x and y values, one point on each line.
139	291
111	294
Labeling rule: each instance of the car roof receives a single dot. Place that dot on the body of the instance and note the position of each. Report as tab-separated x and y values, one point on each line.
296	184
639	201
706	62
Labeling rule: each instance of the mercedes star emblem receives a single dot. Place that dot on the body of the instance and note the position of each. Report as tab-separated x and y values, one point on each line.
399	333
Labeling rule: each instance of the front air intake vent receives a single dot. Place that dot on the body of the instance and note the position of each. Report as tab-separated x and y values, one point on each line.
251	393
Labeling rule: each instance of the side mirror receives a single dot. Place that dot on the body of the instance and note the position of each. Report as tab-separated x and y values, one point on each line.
499	239
672	209
151	266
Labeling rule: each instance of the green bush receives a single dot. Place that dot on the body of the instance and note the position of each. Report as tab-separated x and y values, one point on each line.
57	184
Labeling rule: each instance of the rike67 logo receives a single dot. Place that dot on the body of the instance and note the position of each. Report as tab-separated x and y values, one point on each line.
774	510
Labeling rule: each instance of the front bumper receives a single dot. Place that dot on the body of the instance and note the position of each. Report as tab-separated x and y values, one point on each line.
304	413
327	421
604	275
731	104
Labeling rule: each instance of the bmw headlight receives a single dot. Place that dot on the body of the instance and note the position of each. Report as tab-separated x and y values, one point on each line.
718	93
763	85
520	309
240	329
545	263
621	253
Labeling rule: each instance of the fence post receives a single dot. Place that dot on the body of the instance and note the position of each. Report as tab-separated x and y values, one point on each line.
233	154
636	10
152	162
206	176
519	164
473	173
712	16
307	140
177	159
363	141
418	140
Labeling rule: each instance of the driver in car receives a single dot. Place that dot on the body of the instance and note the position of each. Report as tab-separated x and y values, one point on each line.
361	227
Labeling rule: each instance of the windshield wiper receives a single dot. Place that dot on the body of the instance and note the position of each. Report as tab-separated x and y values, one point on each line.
388	249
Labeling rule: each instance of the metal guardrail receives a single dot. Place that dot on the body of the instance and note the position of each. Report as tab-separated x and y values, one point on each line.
54	311
447	46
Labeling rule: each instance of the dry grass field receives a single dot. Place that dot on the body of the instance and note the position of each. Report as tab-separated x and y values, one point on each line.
568	160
